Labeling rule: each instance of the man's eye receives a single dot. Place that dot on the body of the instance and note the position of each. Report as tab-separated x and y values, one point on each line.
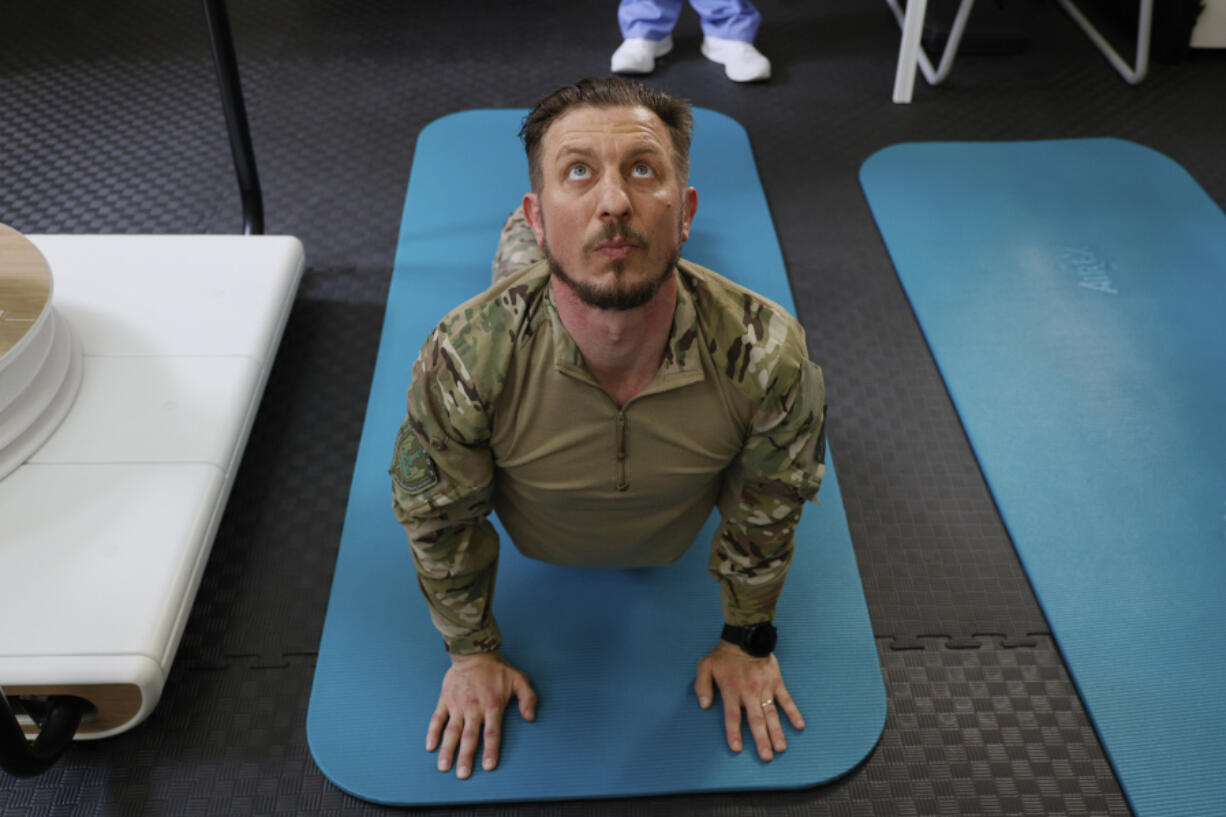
642	171
579	172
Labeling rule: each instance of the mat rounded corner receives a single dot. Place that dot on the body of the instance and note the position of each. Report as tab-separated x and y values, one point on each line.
1137	151
460	118
852	758
318	749
461	125
328	765
869	730
882	156
1125	144
877	722
711	116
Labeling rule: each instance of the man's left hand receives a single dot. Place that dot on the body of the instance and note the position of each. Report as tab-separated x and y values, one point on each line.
752	684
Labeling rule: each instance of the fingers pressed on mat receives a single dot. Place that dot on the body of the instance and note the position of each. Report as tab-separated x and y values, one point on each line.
491	740
774	728
784	701
732	724
451	740
757	727
468	747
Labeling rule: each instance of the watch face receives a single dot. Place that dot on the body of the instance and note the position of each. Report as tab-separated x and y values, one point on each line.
762	640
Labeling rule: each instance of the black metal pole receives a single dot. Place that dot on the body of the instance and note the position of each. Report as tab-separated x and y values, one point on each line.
236	115
20	757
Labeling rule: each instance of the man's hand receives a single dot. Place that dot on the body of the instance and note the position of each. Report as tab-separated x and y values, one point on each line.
752	684
476	690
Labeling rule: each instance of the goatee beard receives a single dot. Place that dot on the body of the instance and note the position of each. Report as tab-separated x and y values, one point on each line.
616	298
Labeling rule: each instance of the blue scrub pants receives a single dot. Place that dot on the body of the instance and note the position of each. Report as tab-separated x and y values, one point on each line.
655	19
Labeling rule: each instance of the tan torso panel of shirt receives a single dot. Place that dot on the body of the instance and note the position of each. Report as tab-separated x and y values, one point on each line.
581	482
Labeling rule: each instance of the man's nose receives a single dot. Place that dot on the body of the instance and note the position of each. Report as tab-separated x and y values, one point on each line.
614	199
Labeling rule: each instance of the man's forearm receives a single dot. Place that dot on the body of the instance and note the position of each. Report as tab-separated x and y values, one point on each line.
456	570
751	562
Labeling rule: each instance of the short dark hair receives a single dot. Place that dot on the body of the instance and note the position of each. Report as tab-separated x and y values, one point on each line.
613	92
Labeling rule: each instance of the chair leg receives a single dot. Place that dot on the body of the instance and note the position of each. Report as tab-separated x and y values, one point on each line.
222	41
1131	75
909	51
951	45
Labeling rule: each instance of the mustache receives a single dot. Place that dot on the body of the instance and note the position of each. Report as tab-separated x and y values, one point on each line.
616	230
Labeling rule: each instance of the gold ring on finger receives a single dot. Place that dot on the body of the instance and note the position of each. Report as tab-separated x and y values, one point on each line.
768	702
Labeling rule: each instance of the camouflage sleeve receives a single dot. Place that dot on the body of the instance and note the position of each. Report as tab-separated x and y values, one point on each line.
780	468
442	478
517	247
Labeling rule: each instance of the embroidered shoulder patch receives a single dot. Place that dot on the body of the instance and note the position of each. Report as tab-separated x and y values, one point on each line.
412	468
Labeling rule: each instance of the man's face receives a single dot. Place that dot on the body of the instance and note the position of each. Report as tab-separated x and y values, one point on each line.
612	212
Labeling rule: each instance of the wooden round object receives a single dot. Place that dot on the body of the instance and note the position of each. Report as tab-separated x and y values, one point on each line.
25	290
40	359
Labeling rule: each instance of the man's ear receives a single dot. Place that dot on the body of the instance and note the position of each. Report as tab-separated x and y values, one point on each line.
689	204
532	212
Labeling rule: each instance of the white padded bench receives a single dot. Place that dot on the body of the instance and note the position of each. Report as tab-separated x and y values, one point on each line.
106	529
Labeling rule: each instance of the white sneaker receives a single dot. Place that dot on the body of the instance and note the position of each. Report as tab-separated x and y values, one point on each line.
637	55
742	62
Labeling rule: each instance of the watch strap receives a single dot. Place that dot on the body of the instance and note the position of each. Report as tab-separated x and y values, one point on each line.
758	640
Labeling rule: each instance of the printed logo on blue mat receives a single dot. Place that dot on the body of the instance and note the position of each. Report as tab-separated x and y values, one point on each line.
1090	270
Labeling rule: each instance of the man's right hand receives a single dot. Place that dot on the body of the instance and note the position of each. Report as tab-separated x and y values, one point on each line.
476	691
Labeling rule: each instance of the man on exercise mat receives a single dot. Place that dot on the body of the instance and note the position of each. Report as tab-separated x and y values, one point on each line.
603	396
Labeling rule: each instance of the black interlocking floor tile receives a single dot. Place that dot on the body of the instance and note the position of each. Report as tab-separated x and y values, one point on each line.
110	121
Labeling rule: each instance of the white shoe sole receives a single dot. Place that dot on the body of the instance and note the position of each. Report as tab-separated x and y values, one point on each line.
735	73
658	49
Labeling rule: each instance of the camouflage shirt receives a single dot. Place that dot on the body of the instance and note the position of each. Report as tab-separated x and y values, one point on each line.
503	415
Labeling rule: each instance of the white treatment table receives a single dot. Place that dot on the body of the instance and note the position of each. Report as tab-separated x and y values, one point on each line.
105	530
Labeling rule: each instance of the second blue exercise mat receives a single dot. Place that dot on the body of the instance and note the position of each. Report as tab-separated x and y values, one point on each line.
1073	295
611	653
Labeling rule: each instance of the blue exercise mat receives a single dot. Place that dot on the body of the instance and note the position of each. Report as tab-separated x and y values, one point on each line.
1074	295
611	653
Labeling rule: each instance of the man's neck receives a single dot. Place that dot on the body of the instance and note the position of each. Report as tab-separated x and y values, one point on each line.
622	349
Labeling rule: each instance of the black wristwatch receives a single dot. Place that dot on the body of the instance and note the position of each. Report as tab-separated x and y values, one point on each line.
758	639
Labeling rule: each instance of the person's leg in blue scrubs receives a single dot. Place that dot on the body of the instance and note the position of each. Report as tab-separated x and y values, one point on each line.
728	27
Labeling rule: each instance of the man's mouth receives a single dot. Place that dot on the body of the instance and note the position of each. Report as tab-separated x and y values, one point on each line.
615	249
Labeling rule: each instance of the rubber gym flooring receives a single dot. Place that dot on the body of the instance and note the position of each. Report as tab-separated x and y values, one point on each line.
110	123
